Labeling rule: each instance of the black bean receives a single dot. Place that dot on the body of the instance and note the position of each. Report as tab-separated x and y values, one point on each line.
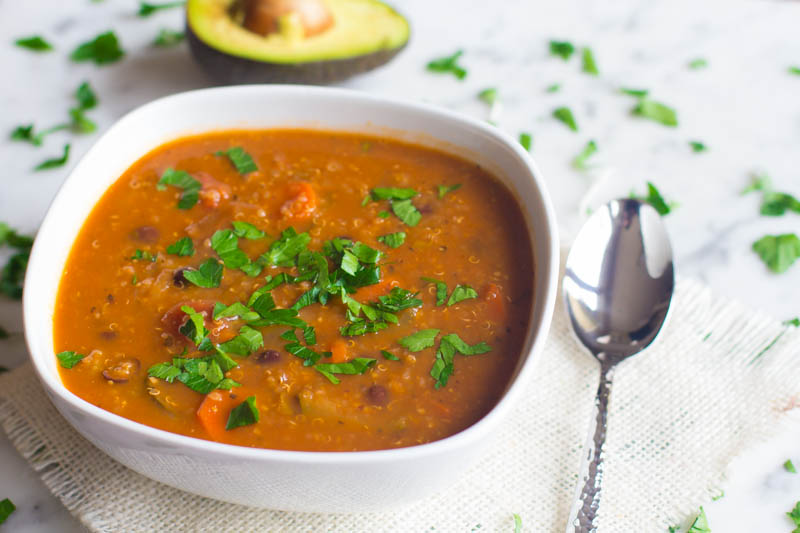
377	395
267	357
179	280
108	335
146	234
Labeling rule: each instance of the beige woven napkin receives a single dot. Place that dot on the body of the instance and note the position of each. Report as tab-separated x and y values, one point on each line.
717	381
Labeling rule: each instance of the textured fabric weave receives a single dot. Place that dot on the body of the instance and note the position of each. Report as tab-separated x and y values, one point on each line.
715	383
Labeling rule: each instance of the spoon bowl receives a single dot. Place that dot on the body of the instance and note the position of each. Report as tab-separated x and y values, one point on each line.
618	285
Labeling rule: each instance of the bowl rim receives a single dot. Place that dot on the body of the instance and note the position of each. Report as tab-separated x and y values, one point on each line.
539	325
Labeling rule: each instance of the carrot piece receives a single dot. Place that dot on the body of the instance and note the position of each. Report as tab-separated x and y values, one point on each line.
213	413
495	302
338	351
301	200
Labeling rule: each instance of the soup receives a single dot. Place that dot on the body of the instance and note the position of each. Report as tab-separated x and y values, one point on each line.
297	290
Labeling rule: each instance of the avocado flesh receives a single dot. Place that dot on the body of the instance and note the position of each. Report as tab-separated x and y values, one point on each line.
365	34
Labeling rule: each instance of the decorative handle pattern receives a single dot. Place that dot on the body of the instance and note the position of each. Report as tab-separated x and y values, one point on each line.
587	499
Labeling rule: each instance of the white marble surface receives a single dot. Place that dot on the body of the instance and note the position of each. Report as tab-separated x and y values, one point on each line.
744	106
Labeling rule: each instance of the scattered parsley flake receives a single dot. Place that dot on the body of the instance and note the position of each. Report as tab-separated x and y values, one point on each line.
589	63
359	365
68	359
54	162
792	322
580	160
698	63
384	214
562	49
778	251
554	88
789	466
393	240
564	114
35	43
167	38
638	93
655	199
102	49
146	9
244	414
444	189
517	523
759	182
697	146
140	255
489	95
85	96
794	515
6	508
420	340
461	293
241	160
182	247
794	70
656	111
207	275
449	64
526	140
700	524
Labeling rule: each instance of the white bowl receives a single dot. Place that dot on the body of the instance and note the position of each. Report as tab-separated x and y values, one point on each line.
296	481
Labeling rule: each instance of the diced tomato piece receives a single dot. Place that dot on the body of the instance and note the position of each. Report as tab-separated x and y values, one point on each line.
301	200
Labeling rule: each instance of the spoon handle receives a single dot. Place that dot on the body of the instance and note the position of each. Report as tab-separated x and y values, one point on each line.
587	495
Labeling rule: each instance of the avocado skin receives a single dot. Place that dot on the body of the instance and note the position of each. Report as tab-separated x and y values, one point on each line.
229	69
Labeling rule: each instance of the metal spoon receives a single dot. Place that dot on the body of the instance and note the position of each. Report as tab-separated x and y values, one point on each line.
617	287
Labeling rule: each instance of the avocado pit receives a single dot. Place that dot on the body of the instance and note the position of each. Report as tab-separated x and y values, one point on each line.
282	16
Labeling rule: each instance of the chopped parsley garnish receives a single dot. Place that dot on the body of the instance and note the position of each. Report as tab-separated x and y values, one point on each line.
445	355
773	203
655	199
35	43
102	49
444	189
384	214
517	523
6	508
359	365
294	347
201	374
526	140
589	63
207	275
794	515
564	114
69	359
789	466
562	49
167	38
25	133
700	524
406	211
146	8
393	240
656	111
420	340
12	274
236	309
85	96
697	146
792	322
54	162
441	290
244	414
377	315
449	65
247	230
461	293
226	244
779	252
698	63
588	151
554	88
389	355
194	328
182	180
79	123
182	247
285	249
241	160
140	255
760	182
245	343
638	93
489	95
392	193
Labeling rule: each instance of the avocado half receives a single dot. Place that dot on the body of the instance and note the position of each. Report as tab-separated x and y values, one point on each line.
365	34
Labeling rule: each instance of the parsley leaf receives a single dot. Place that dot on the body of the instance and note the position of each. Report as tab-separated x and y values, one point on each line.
554	88
760	182
789	467
655	199
308	355
139	255
441	290
69	359
389	355
146	9
245	343
589	63
465	349
407	212
237	309
792	322
697	146
461	293
775	204
489	95
639	93
54	162
85	96
226	244
359	365
207	275
241	160
794	514
449	64
525	139
384	214
182	180
285	249
392	193
588	151
444	189
445	355
247	230
393	240
695	64
420	340
194	328
102	49
656	111
244	414
167	38
35	43
564	114
25	133
778	251
201	374
364	253
700	524
6	508
182	247
562	49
